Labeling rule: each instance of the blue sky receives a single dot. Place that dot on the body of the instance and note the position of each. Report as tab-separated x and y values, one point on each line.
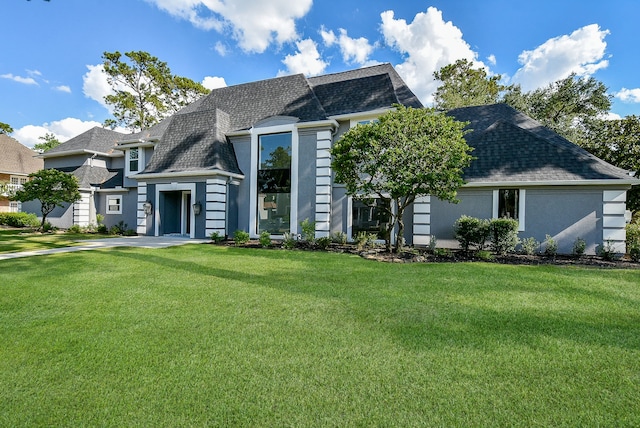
50	78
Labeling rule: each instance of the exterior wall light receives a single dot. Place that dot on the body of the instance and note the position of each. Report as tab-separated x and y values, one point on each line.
197	208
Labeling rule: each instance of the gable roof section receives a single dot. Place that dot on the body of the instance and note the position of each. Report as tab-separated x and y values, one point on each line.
509	146
17	158
95	140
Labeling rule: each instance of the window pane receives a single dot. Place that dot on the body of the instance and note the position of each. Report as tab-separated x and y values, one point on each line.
274	212
508	203
275	151
133	160
371	218
274	183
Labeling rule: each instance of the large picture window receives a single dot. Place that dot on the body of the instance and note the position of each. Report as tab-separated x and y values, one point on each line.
274	183
369	217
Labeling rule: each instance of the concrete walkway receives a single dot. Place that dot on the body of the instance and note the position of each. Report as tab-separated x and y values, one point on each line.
94	244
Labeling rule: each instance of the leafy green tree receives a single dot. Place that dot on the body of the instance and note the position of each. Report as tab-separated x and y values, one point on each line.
145	91
49	142
407	153
5	128
52	188
463	86
617	142
564	106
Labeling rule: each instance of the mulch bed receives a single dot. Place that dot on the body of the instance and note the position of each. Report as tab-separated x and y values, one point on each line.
454	256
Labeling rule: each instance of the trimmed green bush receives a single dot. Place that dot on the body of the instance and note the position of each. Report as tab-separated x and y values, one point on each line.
308	230
240	237
265	239
19	219
530	246
504	235
471	232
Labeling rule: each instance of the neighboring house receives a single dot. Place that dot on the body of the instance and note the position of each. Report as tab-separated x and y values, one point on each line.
256	157
16	163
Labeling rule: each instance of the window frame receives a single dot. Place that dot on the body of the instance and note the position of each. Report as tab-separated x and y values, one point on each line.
350	235
108	209
140	160
521	205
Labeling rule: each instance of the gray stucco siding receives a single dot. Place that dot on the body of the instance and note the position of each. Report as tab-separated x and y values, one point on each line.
240	205
307	148
473	202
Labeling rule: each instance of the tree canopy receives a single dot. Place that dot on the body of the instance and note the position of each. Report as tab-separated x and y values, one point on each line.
52	188
5	128
145	91
49	142
463	85
407	153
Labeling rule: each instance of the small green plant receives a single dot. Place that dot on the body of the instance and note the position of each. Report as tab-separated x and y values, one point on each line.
633	239
634	252
265	239
48	227
216	237
579	247
288	242
308	230
530	246
443	252
365	240
608	251
484	255
240	237
433	243
102	229
323	242
99	219
551	246
75	229
339	238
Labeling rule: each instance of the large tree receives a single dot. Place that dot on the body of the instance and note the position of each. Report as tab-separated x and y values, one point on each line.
49	142
145	91
565	105
617	142
407	153
463	86
52	188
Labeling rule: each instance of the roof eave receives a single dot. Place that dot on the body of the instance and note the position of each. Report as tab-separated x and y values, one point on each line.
199	173
46	155
602	182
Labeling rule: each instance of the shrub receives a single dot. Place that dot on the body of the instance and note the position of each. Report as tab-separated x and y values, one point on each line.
102	229
364	240
265	239
471	232
633	234
308	230
323	242
75	229
634	252
339	238
579	247
288	242
607	251
216	237
551	248
48	227
99	219
484	255
20	219
240	237
504	235
442	252
433	243
530	246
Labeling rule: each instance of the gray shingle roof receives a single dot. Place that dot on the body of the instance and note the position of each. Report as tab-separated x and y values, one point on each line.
17	158
95	139
92	175
510	146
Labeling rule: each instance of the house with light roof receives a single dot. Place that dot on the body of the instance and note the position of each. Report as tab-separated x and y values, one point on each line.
16	163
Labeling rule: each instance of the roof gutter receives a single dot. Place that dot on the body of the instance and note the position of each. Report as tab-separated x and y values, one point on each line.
46	155
204	173
608	182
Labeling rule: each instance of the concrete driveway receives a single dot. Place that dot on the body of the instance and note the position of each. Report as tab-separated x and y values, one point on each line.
128	241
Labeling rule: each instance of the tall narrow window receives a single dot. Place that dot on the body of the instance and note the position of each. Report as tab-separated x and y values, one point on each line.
508	203
369	218
134	160
274	183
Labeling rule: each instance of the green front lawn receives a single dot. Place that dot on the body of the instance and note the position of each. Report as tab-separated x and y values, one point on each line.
16	240
202	335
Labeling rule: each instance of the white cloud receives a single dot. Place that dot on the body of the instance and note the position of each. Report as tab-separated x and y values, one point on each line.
429	44
306	61
581	52
19	79
63	88
491	59
212	82
221	49
628	95
353	50
63	130
95	85
254	24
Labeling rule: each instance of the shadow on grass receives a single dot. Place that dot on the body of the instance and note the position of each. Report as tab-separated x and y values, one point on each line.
432	306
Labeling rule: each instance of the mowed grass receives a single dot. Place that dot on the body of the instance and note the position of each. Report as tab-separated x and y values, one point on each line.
15	240
212	336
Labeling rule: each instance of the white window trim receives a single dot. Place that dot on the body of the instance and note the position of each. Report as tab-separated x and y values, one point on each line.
111	197
521	205
253	203
127	163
